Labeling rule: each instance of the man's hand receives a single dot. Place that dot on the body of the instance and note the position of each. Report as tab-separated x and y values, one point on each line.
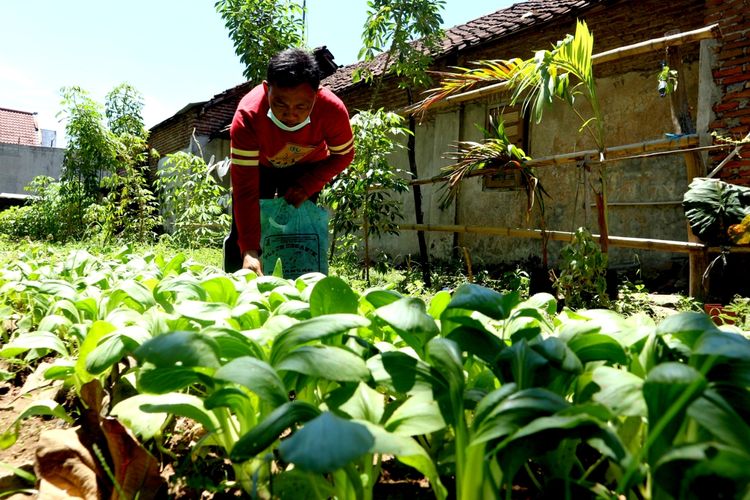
252	262
295	196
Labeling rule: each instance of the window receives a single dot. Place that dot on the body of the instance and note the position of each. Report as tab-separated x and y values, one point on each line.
515	129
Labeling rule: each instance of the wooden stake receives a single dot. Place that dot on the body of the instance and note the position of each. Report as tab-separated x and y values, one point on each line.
683	124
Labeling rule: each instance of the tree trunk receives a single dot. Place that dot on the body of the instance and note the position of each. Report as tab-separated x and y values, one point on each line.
417	190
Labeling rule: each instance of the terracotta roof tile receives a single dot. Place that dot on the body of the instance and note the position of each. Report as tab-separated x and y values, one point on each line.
490	27
19	127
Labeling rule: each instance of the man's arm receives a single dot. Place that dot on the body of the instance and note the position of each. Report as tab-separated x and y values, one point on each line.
245	184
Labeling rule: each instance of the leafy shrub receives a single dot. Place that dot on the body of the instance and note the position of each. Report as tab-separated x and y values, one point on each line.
361	197
583	273
194	205
44	217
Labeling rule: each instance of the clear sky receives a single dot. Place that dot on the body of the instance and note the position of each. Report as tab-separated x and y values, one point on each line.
173	52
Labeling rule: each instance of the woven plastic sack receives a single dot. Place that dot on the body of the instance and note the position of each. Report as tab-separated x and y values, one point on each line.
297	236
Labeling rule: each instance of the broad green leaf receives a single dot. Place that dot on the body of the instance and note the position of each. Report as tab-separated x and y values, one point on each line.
365	404
408	451
166	379
220	289
408	318
668	390
59	289
488	302
238	402
174	266
445	356
131	294
621	391
100	361
256	375
718	417
380	298
542	301
505	414
558	354
204	312
597	347
144	424
687	327
88	308
326	362
184	405
183	349
266	432
326	443
317	328
233	344
266	284
54	323
522	363
250	316
416	416
332	295
114	347
725	344
438	303
302	485
704	470
61	369
296	309
476	340
33	340
523	324
176	289
490	401
547	433
404	374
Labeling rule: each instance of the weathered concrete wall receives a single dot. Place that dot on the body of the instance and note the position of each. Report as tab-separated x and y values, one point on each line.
20	164
634	113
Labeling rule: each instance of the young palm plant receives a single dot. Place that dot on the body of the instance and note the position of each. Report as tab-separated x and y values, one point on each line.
564	72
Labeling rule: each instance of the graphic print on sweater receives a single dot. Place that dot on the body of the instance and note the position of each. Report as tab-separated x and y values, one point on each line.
290	154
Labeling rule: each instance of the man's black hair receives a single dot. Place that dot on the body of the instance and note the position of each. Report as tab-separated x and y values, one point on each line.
291	67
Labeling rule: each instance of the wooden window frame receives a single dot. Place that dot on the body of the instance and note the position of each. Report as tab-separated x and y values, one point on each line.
516	127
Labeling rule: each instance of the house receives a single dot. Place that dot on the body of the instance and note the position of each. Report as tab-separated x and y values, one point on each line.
25	152
645	194
198	127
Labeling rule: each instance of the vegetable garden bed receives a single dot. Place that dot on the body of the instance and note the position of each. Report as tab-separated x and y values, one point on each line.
184	381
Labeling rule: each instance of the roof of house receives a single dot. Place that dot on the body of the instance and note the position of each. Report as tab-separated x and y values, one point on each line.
19	127
488	28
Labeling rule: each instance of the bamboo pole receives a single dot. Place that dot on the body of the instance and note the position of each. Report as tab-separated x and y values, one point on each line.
635	49
672	40
566	236
614	153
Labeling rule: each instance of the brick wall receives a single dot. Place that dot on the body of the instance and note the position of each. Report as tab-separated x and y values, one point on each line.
732	74
173	134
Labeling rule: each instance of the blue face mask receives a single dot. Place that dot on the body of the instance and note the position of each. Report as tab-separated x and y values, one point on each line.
284	127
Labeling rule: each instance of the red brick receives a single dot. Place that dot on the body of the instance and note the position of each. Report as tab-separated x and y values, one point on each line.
734	79
728	71
726	106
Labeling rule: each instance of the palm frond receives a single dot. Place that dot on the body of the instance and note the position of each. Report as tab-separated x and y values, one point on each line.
465	79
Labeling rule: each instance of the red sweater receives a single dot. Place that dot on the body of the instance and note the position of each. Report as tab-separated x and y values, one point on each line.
326	144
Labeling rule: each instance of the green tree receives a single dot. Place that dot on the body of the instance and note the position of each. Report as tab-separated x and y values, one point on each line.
124	110
260	29
409	30
91	152
361	199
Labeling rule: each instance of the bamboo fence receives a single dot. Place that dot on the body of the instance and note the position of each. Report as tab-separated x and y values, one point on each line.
682	144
